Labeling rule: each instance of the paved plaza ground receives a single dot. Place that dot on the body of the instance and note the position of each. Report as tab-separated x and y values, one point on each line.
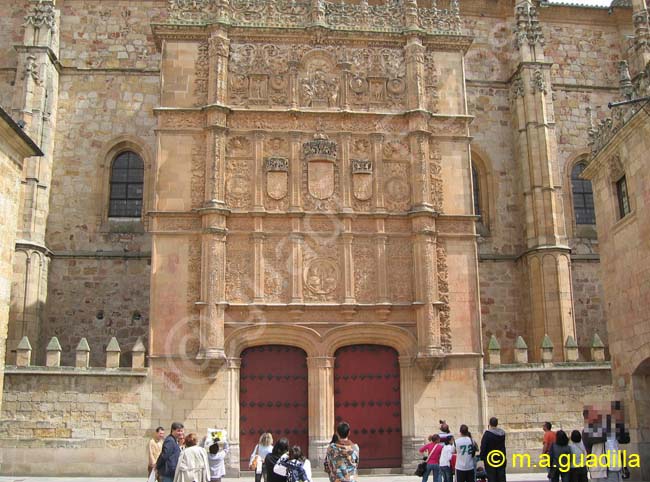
539	477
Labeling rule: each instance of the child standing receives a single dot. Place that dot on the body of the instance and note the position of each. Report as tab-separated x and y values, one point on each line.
445	459
216	460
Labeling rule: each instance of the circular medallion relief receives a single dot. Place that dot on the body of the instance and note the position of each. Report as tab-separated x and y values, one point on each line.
397	189
322	276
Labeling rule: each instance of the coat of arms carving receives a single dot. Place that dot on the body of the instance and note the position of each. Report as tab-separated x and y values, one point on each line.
320	155
362	179
277	175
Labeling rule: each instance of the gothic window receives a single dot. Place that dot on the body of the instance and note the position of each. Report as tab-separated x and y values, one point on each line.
623	199
476	194
583	196
127	181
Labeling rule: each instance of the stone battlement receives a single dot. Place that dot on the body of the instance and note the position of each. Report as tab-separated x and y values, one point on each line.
570	356
82	356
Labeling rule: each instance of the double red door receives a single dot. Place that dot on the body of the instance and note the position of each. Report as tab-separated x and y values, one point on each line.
273	397
367	396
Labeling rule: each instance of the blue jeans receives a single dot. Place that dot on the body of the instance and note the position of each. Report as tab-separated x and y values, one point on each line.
445	473
435	468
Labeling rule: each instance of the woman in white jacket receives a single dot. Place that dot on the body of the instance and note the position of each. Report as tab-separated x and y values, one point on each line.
193	463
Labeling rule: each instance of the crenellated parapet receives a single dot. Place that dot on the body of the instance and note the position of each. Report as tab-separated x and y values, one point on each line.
391	16
545	353
53	351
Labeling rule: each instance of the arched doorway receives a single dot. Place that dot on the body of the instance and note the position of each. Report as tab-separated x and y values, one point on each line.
367	395
273	397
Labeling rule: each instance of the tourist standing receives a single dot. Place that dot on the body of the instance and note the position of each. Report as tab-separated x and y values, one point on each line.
494	439
342	456
560	457
154	447
193	465
445	459
297	466
578	472
216	460
466	450
171	451
433	450
279	449
549	438
262	449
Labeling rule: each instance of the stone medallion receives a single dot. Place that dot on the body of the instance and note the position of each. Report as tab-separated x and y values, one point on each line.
322	276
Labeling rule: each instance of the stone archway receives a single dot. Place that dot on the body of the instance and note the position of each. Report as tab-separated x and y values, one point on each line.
272	397
367	395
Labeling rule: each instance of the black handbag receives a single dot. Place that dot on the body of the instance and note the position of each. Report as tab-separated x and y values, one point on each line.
422	467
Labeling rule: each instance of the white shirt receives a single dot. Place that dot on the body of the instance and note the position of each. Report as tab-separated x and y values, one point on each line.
445	456
217	464
464	457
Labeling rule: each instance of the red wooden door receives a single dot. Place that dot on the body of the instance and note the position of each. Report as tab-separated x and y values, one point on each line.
272	397
367	396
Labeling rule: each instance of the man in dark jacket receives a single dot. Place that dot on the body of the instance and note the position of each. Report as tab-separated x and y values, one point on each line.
494	440
168	459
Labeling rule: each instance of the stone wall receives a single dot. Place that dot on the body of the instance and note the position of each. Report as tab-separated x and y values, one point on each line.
74	421
524	398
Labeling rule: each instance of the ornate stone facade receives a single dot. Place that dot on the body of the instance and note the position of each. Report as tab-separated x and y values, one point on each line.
308	182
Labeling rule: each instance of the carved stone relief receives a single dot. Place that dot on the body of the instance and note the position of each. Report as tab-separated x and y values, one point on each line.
239	269
276	168
377	78
198	171
399	253
201	78
431	82
319	80
320	173
321	272
435	176
277	265
365	269
443	295
239	168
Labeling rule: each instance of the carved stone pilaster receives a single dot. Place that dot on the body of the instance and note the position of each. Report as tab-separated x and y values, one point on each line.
406	366
212	306
215	168
382	268
346	178
258	262
297	242
378	162
296	172
218	52
414	53
321	405
348	263
258	173
420	173
233	366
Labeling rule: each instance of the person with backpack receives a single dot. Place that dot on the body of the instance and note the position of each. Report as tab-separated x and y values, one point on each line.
296	466
466	449
280	449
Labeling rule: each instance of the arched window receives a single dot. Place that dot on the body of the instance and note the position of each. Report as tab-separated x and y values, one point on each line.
476	194
583	196
127	181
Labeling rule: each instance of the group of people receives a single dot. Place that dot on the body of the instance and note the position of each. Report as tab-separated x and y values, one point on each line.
447	455
180	458
281	462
